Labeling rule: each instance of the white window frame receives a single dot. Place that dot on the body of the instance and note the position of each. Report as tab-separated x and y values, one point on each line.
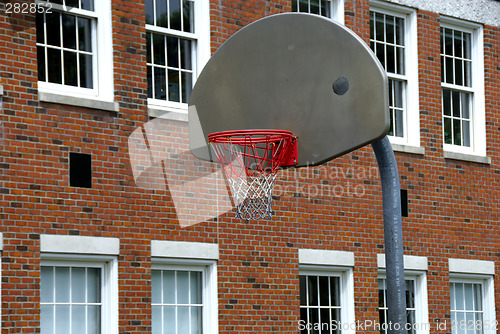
411	116
421	302
478	123
102	49
200	54
346	279
336	8
109	282
488	291
209	285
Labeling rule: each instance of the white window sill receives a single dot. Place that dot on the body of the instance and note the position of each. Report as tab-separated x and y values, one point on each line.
168	114
408	149
467	157
87	102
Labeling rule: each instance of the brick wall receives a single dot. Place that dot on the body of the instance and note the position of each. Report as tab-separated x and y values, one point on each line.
453	205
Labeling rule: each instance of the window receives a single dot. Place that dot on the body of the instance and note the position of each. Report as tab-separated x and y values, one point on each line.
177	41
74	48
183	297
333	9
393	39
410	303
462	88
76	296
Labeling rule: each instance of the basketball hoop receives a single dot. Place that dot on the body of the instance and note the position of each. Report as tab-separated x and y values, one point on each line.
251	159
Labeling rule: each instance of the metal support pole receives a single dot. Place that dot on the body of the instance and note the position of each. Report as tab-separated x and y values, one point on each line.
393	237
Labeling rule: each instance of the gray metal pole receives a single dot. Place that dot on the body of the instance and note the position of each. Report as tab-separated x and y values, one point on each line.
393	237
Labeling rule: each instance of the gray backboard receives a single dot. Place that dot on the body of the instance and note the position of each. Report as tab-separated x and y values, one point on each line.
298	72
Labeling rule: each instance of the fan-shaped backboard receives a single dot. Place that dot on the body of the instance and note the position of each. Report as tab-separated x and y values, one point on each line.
298	72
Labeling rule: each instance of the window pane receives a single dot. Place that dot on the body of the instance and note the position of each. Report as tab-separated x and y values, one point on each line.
410	316
78	287
391	61
459	296
156	286
400	60
448	42
381	293
47	285
150	82
379	27
187	84
78	321
161	13
88	4
72	3
186	54
335	291
410	293
93	285
52	22
70	68
446	102
398	93
149	12
160	83
175	14
449	69
173	86
380	51
457	43
467	46
156	319
324	296
452	296
390	31
460	320
325	8
457	132
479	296
188	16
314	7
469	297
312	282
313	318
302	288
159	49
40	30
195	287
447	130
62	319
459	79
182	287
303	317
168	287
468	74
47	318
183	319
86	77
169	320
94	319
325	320
303	6
173	51
84	34
398	114
400	32
62	284
69	31
456	103
148	47
196	323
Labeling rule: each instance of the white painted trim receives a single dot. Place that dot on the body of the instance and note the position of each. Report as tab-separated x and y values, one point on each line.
471	266
209	268
478	119
338	11
326	257
347	309
411	262
184	250
411	93
76	244
421	299
109	287
488	289
1	90
407	148
1	244
467	157
87	102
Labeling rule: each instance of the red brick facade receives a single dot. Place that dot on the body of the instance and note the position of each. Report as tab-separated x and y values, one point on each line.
453	204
